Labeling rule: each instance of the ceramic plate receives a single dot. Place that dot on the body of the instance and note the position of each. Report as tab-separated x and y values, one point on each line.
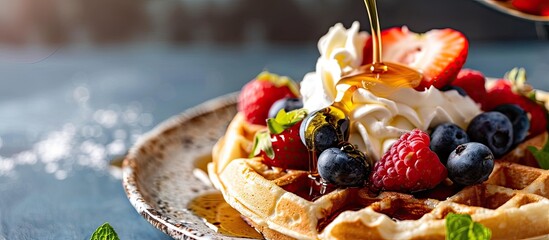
159	173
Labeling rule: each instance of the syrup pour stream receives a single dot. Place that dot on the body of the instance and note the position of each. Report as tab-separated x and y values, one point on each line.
378	77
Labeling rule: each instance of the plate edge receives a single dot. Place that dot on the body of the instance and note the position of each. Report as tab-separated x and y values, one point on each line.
129	182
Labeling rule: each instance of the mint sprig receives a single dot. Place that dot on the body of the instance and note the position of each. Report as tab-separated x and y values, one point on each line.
104	232
541	155
462	227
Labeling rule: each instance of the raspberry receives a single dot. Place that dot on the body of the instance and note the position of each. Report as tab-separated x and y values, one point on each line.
409	165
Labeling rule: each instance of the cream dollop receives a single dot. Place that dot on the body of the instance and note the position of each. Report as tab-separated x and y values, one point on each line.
340	50
378	121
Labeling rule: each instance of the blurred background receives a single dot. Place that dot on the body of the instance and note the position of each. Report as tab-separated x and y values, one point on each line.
82	80
84	22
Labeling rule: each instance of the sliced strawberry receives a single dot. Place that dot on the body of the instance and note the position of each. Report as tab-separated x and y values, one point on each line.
472	82
514	90
257	96
438	54
281	146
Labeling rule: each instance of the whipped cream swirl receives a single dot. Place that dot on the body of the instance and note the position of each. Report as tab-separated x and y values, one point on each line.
377	121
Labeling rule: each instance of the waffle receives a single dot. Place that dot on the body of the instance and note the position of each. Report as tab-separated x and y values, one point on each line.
513	202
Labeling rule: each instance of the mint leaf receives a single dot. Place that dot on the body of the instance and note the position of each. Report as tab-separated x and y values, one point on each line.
462	226
104	232
541	155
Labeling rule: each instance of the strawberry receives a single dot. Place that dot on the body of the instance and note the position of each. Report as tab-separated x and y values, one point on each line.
528	6
257	96
438	54
544	9
281	145
472	82
514	90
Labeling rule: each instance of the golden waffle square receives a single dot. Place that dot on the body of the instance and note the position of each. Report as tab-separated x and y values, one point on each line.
513	202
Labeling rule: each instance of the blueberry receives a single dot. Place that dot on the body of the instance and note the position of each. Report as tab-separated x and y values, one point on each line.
492	129
345	166
519	119
324	128
325	137
288	104
458	89
445	138
470	163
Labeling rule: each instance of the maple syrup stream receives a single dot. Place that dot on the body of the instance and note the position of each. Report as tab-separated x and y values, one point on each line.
378	77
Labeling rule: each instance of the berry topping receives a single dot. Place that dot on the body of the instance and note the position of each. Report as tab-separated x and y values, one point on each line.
492	129
288	104
445	138
324	129
257	96
519	119
514	90
409	165
470	163
529	6
544	11
438	54
345	166
280	146
472	82
325	137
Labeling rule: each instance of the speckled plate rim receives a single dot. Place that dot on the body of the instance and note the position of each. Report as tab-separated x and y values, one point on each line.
513	12
131	175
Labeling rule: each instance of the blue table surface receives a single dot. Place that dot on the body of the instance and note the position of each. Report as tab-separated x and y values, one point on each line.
64	116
